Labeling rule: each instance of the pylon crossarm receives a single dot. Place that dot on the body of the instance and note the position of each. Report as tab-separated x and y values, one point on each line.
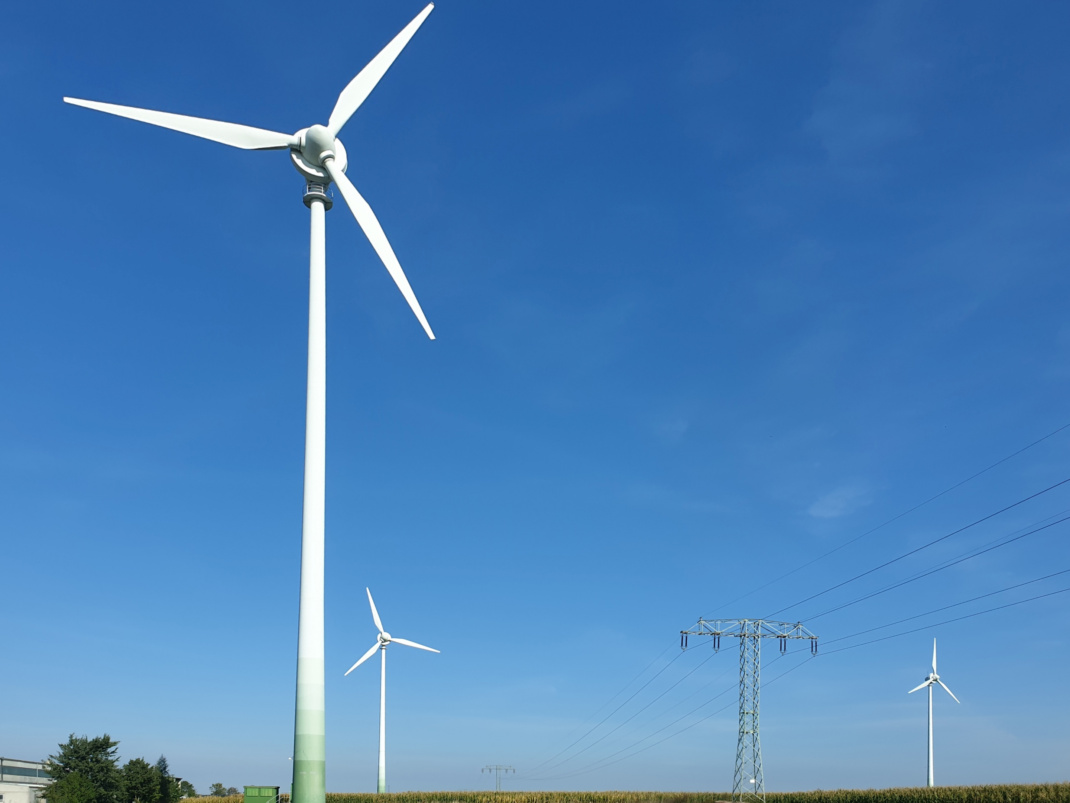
753	628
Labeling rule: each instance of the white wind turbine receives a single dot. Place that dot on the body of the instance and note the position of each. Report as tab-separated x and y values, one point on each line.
320	158
383	640
930	681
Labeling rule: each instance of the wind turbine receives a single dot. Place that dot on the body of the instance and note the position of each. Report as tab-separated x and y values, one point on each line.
930	681
382	641
320	158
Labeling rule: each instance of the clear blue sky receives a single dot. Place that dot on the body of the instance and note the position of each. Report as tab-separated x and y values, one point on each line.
718	286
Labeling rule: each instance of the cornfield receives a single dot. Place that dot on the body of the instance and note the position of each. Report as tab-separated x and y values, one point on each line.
1030	793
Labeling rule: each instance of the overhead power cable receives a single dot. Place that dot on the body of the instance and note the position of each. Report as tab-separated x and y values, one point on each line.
898	516
941	568
920	548
948	621
997	540
605	762
933	624
634	748
633	716
609	701
611	713
945	607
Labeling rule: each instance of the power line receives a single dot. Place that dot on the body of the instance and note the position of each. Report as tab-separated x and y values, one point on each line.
941	568
611	713
605	762
948	621
633	716
1001	538
923	546
900	515
602	763
825	653
674	705
948	607
609	701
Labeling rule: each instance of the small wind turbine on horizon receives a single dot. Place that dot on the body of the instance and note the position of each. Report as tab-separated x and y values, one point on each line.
320	158
382	641
930	681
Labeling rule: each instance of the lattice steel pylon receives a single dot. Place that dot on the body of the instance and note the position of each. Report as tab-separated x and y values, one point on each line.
747	780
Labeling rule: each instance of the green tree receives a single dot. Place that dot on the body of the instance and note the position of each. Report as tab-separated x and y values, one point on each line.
168	785
217	790
139	782
185	789
94	761
71	788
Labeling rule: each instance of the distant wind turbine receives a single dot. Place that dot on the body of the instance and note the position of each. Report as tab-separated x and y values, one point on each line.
930	681
320	158
381	643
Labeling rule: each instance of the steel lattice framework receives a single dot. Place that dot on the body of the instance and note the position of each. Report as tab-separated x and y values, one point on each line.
747	781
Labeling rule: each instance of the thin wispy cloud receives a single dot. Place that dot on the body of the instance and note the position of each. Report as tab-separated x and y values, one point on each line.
671	429
841	502
869	102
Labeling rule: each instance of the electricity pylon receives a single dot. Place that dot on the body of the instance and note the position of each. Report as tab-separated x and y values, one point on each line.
497	769
747	781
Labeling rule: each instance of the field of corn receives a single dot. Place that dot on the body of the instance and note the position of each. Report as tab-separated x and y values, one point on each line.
1025	793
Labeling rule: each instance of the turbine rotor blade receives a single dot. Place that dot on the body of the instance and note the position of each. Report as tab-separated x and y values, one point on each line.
922	686
375	613
374	232
934	656
233	134
363	658
953	697
360	87
408	643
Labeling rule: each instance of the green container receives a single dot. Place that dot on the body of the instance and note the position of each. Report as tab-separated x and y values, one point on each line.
261	794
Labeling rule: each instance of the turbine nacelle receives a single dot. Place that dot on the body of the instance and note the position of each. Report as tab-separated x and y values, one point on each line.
315	145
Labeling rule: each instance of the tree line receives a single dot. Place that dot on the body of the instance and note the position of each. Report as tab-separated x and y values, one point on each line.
86	770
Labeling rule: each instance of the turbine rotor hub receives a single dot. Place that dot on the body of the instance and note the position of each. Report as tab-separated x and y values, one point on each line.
384	639
315	145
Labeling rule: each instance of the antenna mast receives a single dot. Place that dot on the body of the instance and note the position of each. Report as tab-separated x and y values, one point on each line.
747	781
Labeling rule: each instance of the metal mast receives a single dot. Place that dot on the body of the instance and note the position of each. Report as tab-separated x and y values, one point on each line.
497	769
747	780
310	752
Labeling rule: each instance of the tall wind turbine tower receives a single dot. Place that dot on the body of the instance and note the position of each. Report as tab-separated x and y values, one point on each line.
930	681
320	158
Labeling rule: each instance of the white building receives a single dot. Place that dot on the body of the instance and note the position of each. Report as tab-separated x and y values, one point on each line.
21	781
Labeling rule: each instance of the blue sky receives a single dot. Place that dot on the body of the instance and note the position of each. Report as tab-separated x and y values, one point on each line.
718	286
